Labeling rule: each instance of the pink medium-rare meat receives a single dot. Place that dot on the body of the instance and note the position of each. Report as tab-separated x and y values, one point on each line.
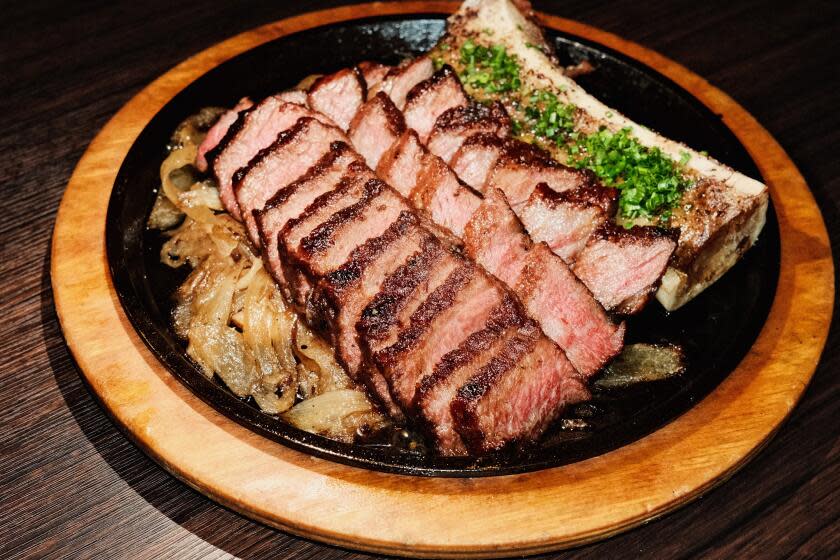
373	73
439	193
564	220
293	96
517	394
290	201
623	267
456	125
401	163
339	95
567	311
254	130
375	128
400	79
457	308
476	158
218	131
429	99
521	167
290	156
568	314
437	391
329	245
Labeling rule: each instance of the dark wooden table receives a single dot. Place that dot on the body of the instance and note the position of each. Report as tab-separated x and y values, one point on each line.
71	485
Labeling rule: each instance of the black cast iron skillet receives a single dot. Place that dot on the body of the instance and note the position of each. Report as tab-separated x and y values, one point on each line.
716	330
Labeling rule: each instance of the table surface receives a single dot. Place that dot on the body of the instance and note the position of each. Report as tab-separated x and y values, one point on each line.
71	485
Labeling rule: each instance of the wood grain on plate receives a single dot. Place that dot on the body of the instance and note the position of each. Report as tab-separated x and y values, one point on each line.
792	215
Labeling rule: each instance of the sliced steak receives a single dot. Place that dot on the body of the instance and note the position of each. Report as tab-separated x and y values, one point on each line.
290	201
254	130
623	267
339	95
438	390
401	164
400	79
438	192
567	311
373	73
456	125
517	394
429	99
218	131
476	158
290	156
521	167
456	309
565	220
294	96
375	128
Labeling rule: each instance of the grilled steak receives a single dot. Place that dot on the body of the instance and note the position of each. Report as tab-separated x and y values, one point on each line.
438	191
294	96
476	158
456	125
565	220
431	98
622	267
218	131
373	73
401	164
339	95
376	127
400	79
253	131
292	154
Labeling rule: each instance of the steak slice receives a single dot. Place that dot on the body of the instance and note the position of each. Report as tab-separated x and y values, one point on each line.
438	191
290	201
456	125
521	167
218	131
253	131
373	73
567	311
623	267
517	394
339	95
294	96
347	192
476	158
429	99
456	309
329	245
375	128
401	164
565	220
289	157
438	390
400	79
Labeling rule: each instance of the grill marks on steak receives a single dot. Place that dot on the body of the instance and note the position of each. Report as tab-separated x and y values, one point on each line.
456	125
429	99
439	192
623	267
253	131
290	156
339	95
373	73
401	163
218	131
376	127
476	158
400	79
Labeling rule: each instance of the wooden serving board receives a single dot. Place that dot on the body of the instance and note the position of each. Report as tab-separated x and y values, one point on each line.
440	517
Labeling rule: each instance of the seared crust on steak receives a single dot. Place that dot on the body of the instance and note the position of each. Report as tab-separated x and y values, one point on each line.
339	95
375	128
455	125
400	79
431	98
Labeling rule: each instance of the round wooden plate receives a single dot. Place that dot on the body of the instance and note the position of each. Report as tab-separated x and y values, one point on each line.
440	517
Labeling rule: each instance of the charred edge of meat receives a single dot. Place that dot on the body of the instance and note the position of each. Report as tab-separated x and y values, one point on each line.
285	137
615	233
522	153
326	299
381	314
590	194
324	80
465	117
396	121
441	299
509	313
439	77
233	130
484	140
321	238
